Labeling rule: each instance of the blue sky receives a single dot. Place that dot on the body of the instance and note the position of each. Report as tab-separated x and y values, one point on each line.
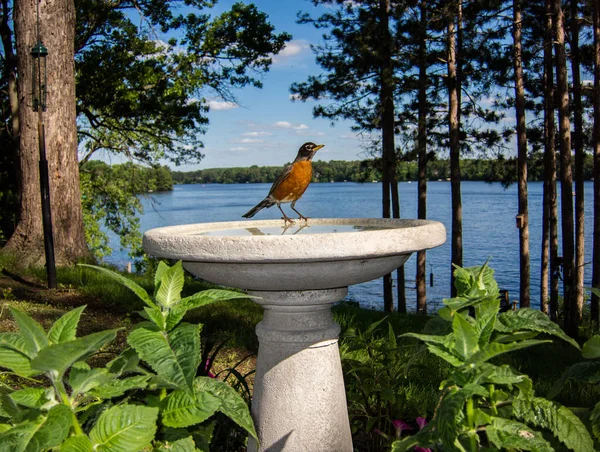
266	127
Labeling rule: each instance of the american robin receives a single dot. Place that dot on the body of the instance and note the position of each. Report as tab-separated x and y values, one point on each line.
291	183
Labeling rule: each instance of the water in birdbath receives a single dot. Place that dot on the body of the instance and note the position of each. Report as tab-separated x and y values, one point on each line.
292	229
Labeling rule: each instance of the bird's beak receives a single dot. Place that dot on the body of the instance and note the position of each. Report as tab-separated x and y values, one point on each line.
317	147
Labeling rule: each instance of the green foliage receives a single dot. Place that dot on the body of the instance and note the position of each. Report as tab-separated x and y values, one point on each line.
483	404
123	406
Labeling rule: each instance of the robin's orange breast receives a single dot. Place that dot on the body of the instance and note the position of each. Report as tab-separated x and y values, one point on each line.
294	186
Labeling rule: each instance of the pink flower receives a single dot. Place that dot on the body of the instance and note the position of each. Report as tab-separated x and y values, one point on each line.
421	449
422	422
400	425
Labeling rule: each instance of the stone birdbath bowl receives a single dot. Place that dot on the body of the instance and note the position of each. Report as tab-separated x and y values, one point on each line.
297	273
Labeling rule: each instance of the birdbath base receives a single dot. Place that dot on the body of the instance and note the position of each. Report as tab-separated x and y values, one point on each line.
299	401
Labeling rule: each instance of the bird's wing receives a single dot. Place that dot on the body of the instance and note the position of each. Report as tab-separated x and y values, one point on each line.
283	176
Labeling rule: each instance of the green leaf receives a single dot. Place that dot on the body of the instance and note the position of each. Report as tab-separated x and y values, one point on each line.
124	428
42	433
59	357
117	388
447	341
450	415
595	421
65	328
180	409
445	355
591	349
30	397
171	284
561	421
232	404
156	316
181	445
174	356
31	331
17	362
531	320
493	349
499	375
158	275
131	285
127	361
84	379
484	327
586	371
210	296
507	434
465	337
79	443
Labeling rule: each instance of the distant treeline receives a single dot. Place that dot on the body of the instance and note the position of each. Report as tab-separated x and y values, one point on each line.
134	179
489	170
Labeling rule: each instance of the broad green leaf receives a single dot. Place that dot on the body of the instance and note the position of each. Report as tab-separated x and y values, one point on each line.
171	284
174	316
450	415
181	445
210	296
558	419
586	371
83	380
59	357
179	409
531	320
465	337
124	428
445	355
514	337
158	275
174	357
16	362
156	316
595	421
493	349
232	404
446	341
30	397
391	337
8	408
127	361
15	341
117	388
488	308
42	433
65	328
484	327
31	331
499	375
79	443
507	434
591	349
131	285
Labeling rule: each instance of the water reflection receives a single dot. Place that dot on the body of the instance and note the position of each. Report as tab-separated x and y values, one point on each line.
292	229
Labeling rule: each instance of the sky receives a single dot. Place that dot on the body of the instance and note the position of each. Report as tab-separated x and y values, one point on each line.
266	127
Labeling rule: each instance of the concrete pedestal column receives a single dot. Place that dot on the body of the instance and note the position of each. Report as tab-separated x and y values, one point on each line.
299	401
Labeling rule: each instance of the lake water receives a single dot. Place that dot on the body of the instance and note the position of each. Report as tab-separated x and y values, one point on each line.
489	227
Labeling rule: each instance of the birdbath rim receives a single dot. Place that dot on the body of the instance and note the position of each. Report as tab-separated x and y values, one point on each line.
321	239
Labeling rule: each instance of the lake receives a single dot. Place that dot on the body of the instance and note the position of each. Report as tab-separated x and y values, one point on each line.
489	227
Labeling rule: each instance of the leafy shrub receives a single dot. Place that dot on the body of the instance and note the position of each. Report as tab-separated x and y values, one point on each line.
483	405
150	394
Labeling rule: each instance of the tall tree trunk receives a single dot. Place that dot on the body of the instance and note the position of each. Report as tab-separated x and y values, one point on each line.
454	131
400	279
596	146
57	20
422	147
550	209
562	93
387	131
579	161
522	158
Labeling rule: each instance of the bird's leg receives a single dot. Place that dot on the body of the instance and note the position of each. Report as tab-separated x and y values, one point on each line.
285	217
301	217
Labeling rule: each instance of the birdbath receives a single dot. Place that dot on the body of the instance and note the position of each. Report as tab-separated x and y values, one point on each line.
296	273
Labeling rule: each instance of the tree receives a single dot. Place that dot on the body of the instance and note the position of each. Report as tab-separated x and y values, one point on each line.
522	156
596	146
148	103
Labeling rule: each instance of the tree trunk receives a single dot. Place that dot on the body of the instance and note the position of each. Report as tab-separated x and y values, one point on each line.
454	130
522	158
579	161
596	146
400	279
387	132
57	28
550	209
422	149
562	93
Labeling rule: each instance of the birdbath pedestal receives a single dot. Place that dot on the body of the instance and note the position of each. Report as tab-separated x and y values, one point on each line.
297	273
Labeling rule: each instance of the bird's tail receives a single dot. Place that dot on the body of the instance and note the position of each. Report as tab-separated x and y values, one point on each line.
265	203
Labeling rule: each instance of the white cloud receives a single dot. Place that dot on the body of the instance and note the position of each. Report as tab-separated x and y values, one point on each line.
295	97
293	49
300	127
221	105
238	148
283	125
246	140
257	134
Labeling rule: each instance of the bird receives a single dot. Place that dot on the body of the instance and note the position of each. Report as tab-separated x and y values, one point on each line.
291	184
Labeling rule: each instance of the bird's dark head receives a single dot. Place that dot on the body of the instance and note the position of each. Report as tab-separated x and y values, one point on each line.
307	151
